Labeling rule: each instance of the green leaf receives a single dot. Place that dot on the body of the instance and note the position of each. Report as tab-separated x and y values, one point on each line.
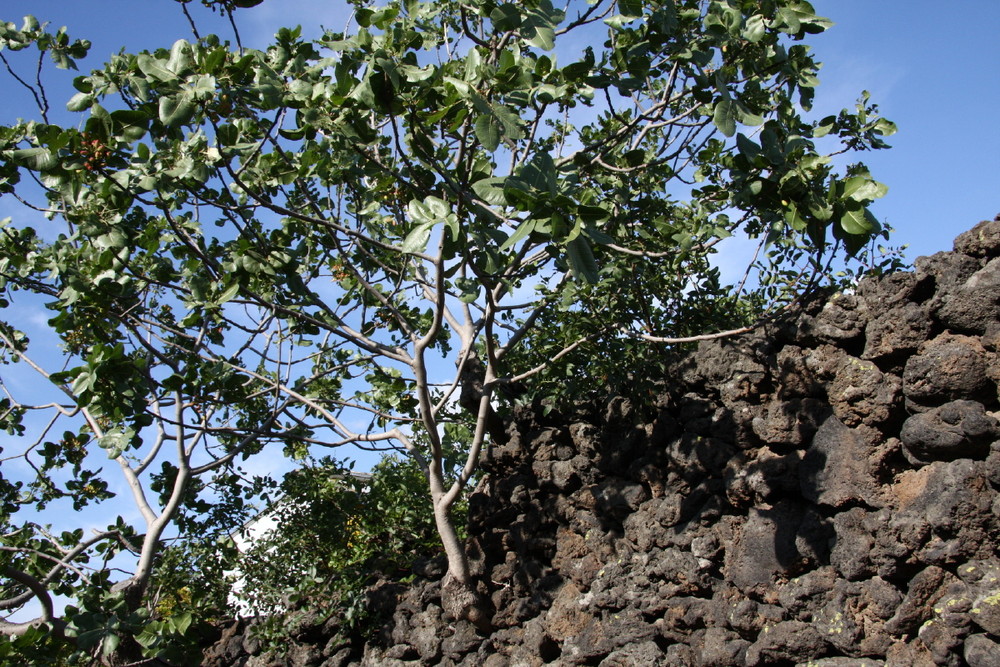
487	129
746	116
858	221
130	124
416	240
794	218
788	18
824	126
754	29
863	190
506	17
80	101
885	127
522	231
228	293
540	173
180	57
591	214
490	190
154	68
36	159
542	37
110	643
581	259
538	29
419	212
511	122
175	110
115	442
438	208
181	622
469	290
724	117
747	146
630	8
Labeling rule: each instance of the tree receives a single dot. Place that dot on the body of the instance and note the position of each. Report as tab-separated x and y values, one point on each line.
351	240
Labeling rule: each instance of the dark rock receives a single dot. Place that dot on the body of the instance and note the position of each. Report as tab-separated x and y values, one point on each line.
642	653
680	654
854	619
835	470
615	497
886	292
534	646
600	637
803	596
983	240
822	492
794	376
947	368
861	393
842	318
947	269
943	642
463	640
228	649
944	512
959	429
843	662
429	568
898	332
911	653
731	367
718	647
972	306
985	611
694	457
981	651
560	474
762	475
925	588
854	553
777	542
787	641
790	423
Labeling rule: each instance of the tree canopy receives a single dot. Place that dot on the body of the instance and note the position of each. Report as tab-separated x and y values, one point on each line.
379	238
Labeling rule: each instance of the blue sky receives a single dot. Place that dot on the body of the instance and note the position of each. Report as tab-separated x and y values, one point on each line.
933	68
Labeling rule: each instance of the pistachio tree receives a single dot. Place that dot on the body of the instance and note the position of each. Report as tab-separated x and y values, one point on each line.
379	236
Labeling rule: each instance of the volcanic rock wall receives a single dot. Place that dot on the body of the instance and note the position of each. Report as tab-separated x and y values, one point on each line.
822	491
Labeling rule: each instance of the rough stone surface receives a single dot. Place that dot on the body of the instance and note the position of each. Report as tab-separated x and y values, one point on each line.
822	492
959	429
946	368
982	651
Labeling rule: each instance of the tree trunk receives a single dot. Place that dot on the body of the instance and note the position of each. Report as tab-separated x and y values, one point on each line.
459	596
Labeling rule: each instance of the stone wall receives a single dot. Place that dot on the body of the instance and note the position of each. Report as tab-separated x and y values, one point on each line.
822	491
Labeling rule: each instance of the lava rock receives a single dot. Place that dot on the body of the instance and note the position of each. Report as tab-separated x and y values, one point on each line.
983	240
835	470
959	429
949	367
975	304
981	651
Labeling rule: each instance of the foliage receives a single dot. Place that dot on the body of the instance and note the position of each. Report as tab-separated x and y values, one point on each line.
336	532
333	242
189	596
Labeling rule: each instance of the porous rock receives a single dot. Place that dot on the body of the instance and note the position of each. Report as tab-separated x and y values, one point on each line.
958	429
